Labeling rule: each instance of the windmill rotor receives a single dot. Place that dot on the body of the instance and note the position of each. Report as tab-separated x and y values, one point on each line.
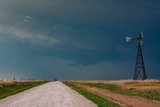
140	36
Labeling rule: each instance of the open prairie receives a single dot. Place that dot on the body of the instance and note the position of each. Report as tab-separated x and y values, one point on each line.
8	88
125	92
153	85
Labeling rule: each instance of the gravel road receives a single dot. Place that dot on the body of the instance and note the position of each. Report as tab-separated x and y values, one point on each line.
53	94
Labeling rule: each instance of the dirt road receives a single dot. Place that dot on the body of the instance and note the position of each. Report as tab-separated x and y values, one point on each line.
53	94
131	101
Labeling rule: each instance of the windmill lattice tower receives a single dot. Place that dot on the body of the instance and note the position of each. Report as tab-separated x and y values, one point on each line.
140	71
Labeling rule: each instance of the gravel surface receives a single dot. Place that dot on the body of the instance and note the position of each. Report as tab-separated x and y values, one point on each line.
53	94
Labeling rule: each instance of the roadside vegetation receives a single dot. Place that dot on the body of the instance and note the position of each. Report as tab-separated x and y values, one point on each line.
7	89
150	94
100	101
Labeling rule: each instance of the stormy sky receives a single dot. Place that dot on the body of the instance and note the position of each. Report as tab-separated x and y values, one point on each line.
77	39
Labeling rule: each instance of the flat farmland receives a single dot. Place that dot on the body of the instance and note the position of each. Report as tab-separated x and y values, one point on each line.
80	93
8	88
125	92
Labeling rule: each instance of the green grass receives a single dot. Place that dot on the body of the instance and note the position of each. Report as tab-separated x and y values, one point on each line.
100	101
152	95
11	89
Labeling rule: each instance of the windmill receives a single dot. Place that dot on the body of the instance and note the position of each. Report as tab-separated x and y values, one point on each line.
140	71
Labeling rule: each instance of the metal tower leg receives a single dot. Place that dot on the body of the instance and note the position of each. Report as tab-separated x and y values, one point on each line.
140	71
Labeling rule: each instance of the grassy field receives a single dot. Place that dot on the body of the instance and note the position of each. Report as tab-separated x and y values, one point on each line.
149	89
10	88
100	101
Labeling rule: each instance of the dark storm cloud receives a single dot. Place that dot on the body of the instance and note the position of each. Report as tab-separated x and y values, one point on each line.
52	17
58	37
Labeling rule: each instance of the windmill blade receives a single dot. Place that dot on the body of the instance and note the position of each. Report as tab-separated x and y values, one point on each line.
141	42
128	39
142	36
